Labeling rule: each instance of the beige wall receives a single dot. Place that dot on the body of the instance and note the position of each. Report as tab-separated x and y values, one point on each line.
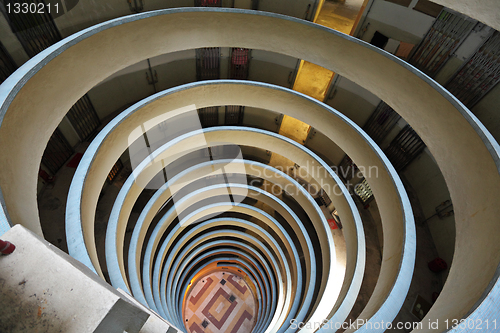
486	11
458	149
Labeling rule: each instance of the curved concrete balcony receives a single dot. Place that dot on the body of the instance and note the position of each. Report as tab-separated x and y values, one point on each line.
299	269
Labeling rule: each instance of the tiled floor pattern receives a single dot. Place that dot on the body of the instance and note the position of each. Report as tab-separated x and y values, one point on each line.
220	302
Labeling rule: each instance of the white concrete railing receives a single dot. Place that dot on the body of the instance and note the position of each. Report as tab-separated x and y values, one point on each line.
458	141
44	289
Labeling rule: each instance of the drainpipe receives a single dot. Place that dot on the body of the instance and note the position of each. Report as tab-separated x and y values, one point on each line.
361	32
6	247
154	77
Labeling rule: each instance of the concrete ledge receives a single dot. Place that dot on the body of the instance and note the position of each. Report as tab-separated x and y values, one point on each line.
458	141
45	290
155	323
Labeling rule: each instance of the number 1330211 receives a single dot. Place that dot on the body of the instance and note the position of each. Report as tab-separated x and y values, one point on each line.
31	8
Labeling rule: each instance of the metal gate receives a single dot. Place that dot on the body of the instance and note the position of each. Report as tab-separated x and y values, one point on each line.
479	74
240	60
363	191
209	116
446	34
57	152
234	115
347	169
380	123
35	31
405	147
208	63
83	117
207	3
114	171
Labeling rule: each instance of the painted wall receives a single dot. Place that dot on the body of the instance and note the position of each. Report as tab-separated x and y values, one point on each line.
430	187
11	43
69	132
260	118
324	147
475	39
487	111
395	21
353	101
296	8
90	12
130	85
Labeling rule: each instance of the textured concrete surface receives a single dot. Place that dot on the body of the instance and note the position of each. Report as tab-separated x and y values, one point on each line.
486	11
473	208
45	290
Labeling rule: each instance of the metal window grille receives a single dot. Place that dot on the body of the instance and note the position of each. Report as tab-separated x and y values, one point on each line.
240	60
208	58
209	116
208	63
405	147
114	171
7	65
137	6
363	191
380	123
347	169
478	75
234	114
324	198
446	34
208	3
84	118
57	152
35	31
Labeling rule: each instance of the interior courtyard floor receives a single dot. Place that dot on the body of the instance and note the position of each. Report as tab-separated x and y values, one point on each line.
220	302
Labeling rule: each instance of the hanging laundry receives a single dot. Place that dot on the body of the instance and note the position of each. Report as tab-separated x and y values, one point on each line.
392	45
379	40
404	50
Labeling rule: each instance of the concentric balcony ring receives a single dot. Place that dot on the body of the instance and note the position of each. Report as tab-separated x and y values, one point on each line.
387	77
292	293
171	214
159	153
212	191
154	168
267	293
275	91
116	236
276	289
134	255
